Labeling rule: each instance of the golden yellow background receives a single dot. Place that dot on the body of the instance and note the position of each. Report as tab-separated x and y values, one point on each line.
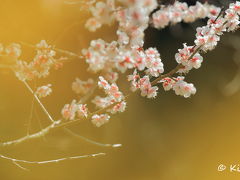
167	138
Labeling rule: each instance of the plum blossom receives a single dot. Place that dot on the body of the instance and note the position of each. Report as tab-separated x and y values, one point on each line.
111	76
44	91
82	110
180	11
207	38
183	88
13	50
93	24
153	62
232	18
122	37
101	55
120	107
102	14
167	83
82	87
134	80
143	84
235	6
113	96
41	64
102	102
183	57
111	90
125	60
179	86
160	19
99	120
70	111
133	20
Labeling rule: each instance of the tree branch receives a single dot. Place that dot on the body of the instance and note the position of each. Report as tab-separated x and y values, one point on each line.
68	131
17	161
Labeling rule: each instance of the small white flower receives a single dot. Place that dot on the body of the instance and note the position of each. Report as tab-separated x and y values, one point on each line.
13	50
69	110
44	91
99	120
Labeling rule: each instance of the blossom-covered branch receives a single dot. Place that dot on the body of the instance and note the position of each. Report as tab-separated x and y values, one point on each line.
110	59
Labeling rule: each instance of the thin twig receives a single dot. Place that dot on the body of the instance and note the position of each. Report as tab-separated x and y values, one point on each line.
36	135
30	116
68	131
18	165
38	100
39	122
16	161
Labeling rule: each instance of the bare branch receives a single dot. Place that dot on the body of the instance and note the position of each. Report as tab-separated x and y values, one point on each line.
38	100
17	161
68	131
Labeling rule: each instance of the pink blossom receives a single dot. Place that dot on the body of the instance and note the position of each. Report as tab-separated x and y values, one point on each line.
183	88
183	55
153	62
69	110
13	50
167	83
179	11
102	14
179	86
93	24
111	76
102	102
82	110
111	90
120	107
99	120
44	91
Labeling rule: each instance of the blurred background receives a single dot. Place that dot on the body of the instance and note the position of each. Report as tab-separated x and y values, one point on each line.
166	138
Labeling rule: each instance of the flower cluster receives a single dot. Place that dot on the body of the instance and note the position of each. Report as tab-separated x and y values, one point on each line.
41	64
208	36
13	50
100	55
114	97
102	14
73	110
111	90
189	61
133	19
10	53
127	52
44	91
99	120
182	12
179	86
108	57
143	84
153	62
